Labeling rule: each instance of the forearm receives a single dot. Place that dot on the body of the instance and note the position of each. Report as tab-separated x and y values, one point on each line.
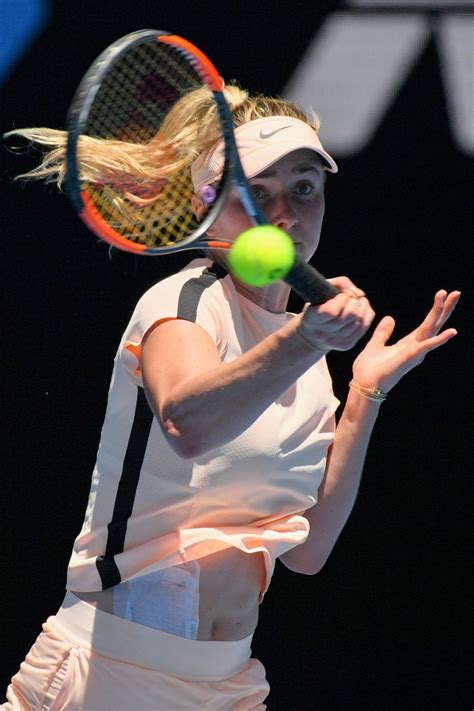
338	490
378	365
217	405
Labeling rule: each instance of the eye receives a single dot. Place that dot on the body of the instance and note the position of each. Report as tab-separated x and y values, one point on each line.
259	192
305	188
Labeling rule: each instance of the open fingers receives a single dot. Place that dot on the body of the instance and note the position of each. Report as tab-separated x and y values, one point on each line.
435	342
450	304
443	306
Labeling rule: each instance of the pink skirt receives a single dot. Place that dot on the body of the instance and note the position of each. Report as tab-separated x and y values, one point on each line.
89	660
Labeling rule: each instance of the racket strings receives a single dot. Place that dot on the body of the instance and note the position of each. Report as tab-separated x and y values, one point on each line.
133	168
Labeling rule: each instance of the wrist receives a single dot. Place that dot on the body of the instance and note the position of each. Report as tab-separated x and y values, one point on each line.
373	393
307	341
305	345
359	412
309	344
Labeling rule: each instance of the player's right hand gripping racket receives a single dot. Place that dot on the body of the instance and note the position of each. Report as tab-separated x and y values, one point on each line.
126	101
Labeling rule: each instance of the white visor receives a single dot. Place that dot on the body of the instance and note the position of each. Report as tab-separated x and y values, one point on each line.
260	143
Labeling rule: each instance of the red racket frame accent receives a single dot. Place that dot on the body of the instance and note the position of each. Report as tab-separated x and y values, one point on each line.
93	219
212	76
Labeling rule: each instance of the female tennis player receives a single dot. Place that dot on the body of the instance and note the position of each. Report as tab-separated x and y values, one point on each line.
219	451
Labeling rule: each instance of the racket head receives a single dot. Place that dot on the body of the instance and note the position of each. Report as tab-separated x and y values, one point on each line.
121	109
126	97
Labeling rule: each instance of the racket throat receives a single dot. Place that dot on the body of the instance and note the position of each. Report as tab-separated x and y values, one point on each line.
253	210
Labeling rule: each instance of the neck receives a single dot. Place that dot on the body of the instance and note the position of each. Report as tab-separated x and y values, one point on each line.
273	298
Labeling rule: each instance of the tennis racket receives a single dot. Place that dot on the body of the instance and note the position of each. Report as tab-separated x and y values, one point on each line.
126	100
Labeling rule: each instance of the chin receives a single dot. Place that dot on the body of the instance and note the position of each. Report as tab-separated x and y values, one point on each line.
302	253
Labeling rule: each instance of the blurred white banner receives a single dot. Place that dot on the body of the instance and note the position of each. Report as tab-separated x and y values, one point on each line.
357	63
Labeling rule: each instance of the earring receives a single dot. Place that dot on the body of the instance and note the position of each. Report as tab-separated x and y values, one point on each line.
208	194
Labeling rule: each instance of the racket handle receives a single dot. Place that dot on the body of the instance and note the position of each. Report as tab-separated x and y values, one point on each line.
310	284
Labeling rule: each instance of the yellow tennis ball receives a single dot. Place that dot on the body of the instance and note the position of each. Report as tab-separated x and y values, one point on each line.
261	255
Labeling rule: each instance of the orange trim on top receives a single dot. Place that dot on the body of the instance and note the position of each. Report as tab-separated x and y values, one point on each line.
157	323
213	78
215	244
136	348
137	352
93	219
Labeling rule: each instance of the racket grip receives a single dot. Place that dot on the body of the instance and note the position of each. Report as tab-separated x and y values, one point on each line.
310	284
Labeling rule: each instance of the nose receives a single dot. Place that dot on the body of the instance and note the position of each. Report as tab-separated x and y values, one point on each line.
282	213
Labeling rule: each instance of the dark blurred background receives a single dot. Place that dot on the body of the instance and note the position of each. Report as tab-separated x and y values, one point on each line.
384	624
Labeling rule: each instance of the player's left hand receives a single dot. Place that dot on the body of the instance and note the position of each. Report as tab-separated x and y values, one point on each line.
382	366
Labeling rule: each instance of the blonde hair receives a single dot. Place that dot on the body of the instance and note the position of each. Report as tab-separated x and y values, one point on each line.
190	129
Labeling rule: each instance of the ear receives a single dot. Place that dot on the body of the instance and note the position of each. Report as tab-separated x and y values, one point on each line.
198	207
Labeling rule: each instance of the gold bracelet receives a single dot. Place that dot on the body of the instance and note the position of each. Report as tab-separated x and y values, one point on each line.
374	394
